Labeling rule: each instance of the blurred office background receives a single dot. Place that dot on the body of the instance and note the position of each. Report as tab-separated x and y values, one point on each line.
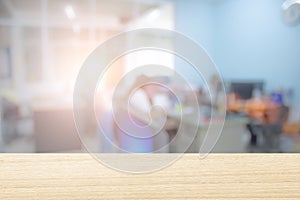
255	45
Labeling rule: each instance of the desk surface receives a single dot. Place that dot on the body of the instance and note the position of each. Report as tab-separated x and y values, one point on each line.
218	176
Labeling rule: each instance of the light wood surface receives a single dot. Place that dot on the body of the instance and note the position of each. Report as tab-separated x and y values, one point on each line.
218	176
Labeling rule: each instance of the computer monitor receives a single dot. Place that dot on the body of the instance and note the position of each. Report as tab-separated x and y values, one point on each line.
245	89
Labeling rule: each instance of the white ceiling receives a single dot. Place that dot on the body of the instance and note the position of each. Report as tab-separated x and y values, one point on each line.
123	10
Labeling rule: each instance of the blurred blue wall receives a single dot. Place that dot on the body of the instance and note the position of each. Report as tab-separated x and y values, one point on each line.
195	19
246	39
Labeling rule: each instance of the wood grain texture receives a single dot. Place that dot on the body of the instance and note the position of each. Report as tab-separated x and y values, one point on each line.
218	176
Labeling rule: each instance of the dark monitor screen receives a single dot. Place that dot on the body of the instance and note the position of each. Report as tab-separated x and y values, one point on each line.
245	89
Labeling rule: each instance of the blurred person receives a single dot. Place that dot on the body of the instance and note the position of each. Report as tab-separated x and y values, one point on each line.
105	120
292	127
213	92
211	97
10	113
132	120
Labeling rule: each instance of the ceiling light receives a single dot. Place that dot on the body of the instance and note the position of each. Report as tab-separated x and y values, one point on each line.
288	3
155	13
70	12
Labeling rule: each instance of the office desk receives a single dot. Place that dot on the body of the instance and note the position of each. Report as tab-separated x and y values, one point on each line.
79	176
230	140
54	129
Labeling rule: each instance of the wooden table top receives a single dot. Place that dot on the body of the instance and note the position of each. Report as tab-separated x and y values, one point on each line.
218	176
